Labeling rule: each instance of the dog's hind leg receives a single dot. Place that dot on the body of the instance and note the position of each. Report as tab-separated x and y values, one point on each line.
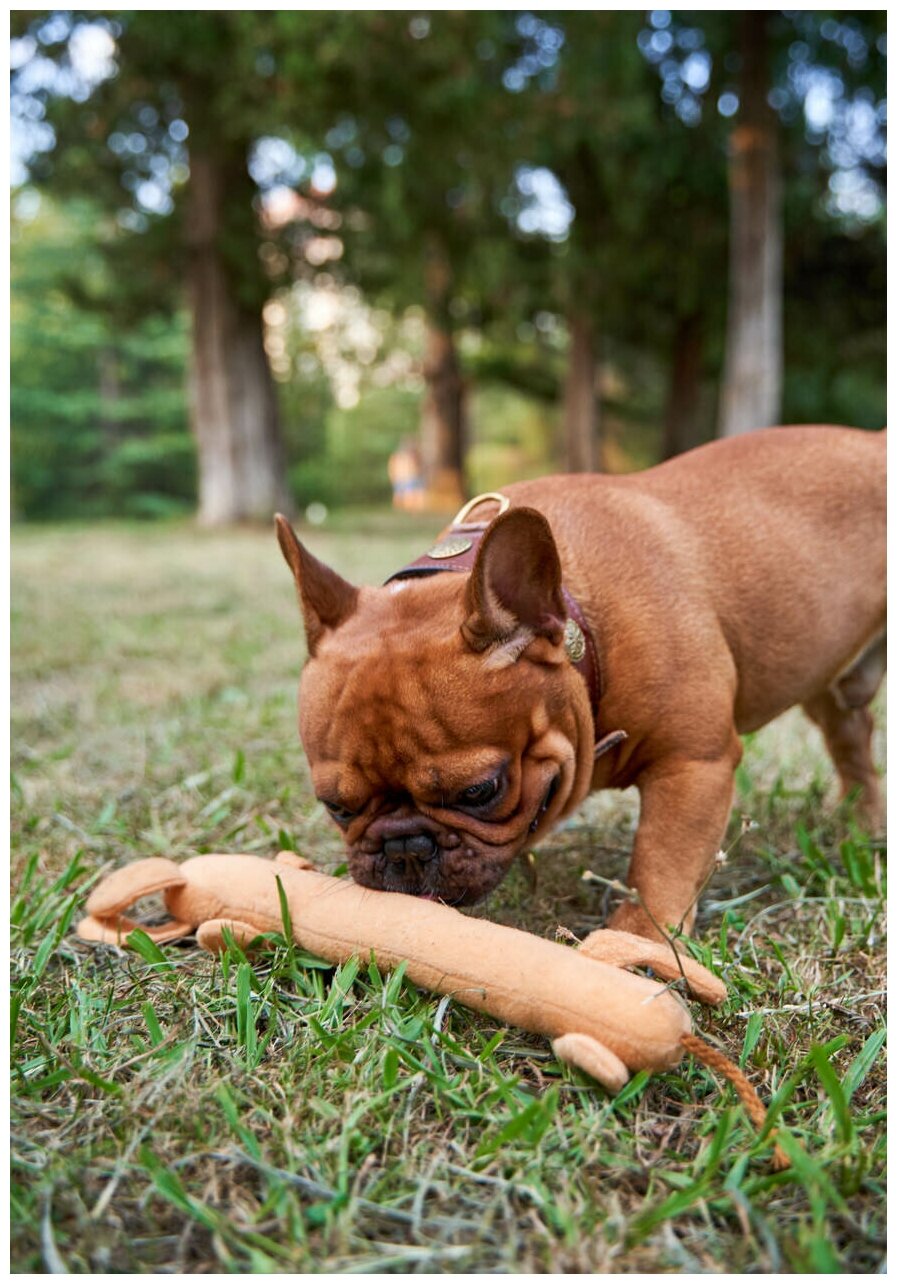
857	685
843	716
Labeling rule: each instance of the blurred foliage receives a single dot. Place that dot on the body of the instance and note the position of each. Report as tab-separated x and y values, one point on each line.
556	159
835	335
99	422
351	466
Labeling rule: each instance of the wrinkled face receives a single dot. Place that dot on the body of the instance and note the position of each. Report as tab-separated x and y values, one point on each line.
438	767
443	722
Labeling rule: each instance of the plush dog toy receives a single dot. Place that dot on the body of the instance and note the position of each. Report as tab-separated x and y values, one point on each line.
599	1017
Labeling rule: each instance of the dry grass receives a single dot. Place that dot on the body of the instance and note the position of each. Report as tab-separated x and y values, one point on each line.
176	1114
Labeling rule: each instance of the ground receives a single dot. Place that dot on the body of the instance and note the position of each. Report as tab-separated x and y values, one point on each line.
174	1113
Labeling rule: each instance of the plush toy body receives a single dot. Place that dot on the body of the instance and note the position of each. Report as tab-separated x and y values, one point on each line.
599	1017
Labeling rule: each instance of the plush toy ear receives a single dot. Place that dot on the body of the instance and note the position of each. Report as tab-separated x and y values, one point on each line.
326	599
514	591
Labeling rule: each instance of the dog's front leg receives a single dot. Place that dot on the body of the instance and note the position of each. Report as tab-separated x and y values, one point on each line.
685	807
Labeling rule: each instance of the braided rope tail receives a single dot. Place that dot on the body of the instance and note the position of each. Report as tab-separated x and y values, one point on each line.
715	1060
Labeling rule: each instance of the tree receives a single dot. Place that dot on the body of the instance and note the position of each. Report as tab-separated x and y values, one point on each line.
752	380
781	139
165	142
589	101
420	170
795	100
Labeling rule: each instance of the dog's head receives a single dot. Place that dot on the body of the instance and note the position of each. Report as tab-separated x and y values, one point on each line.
443	722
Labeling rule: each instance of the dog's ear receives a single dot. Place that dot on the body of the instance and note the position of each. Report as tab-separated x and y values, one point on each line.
514	592
326	599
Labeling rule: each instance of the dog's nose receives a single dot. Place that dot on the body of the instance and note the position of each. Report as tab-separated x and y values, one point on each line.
419	847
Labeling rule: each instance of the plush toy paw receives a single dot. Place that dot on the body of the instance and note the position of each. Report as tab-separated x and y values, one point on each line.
624	949
115	931
210	935
586	1053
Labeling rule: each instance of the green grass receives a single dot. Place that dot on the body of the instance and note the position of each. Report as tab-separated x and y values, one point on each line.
174	1113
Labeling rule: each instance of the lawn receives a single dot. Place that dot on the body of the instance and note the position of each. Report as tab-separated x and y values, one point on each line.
181	1114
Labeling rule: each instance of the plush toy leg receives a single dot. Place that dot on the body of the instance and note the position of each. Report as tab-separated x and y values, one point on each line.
210	935
105	921
115	931
126	885
588	1054
624	949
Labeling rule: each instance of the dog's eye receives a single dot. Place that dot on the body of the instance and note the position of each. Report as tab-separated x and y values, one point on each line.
342	815
480	794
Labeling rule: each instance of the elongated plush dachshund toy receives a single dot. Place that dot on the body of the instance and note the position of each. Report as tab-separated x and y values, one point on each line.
599	1017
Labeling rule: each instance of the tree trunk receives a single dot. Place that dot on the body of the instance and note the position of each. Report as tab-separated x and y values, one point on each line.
581	420
443	426
110	392
233	401
752	378
679	423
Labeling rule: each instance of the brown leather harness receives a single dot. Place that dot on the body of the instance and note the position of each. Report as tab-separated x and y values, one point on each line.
456	550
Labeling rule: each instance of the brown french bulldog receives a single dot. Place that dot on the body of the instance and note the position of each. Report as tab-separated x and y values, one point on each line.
450	719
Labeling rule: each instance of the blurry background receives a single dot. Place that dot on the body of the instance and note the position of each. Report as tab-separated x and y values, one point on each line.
255	256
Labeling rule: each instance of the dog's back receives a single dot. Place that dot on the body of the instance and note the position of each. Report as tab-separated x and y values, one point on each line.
792	530
779	534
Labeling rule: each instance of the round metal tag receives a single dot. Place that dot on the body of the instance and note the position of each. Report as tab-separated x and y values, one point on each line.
454	546
574	641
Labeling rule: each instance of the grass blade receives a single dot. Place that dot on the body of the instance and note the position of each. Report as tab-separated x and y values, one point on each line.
169	1185
829	1079
864	1062
285	916
148	950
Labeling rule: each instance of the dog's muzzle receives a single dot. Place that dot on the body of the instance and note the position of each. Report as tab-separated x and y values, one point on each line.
410	850
412	855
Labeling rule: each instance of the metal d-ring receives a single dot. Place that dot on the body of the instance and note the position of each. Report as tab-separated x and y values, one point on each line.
459	521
